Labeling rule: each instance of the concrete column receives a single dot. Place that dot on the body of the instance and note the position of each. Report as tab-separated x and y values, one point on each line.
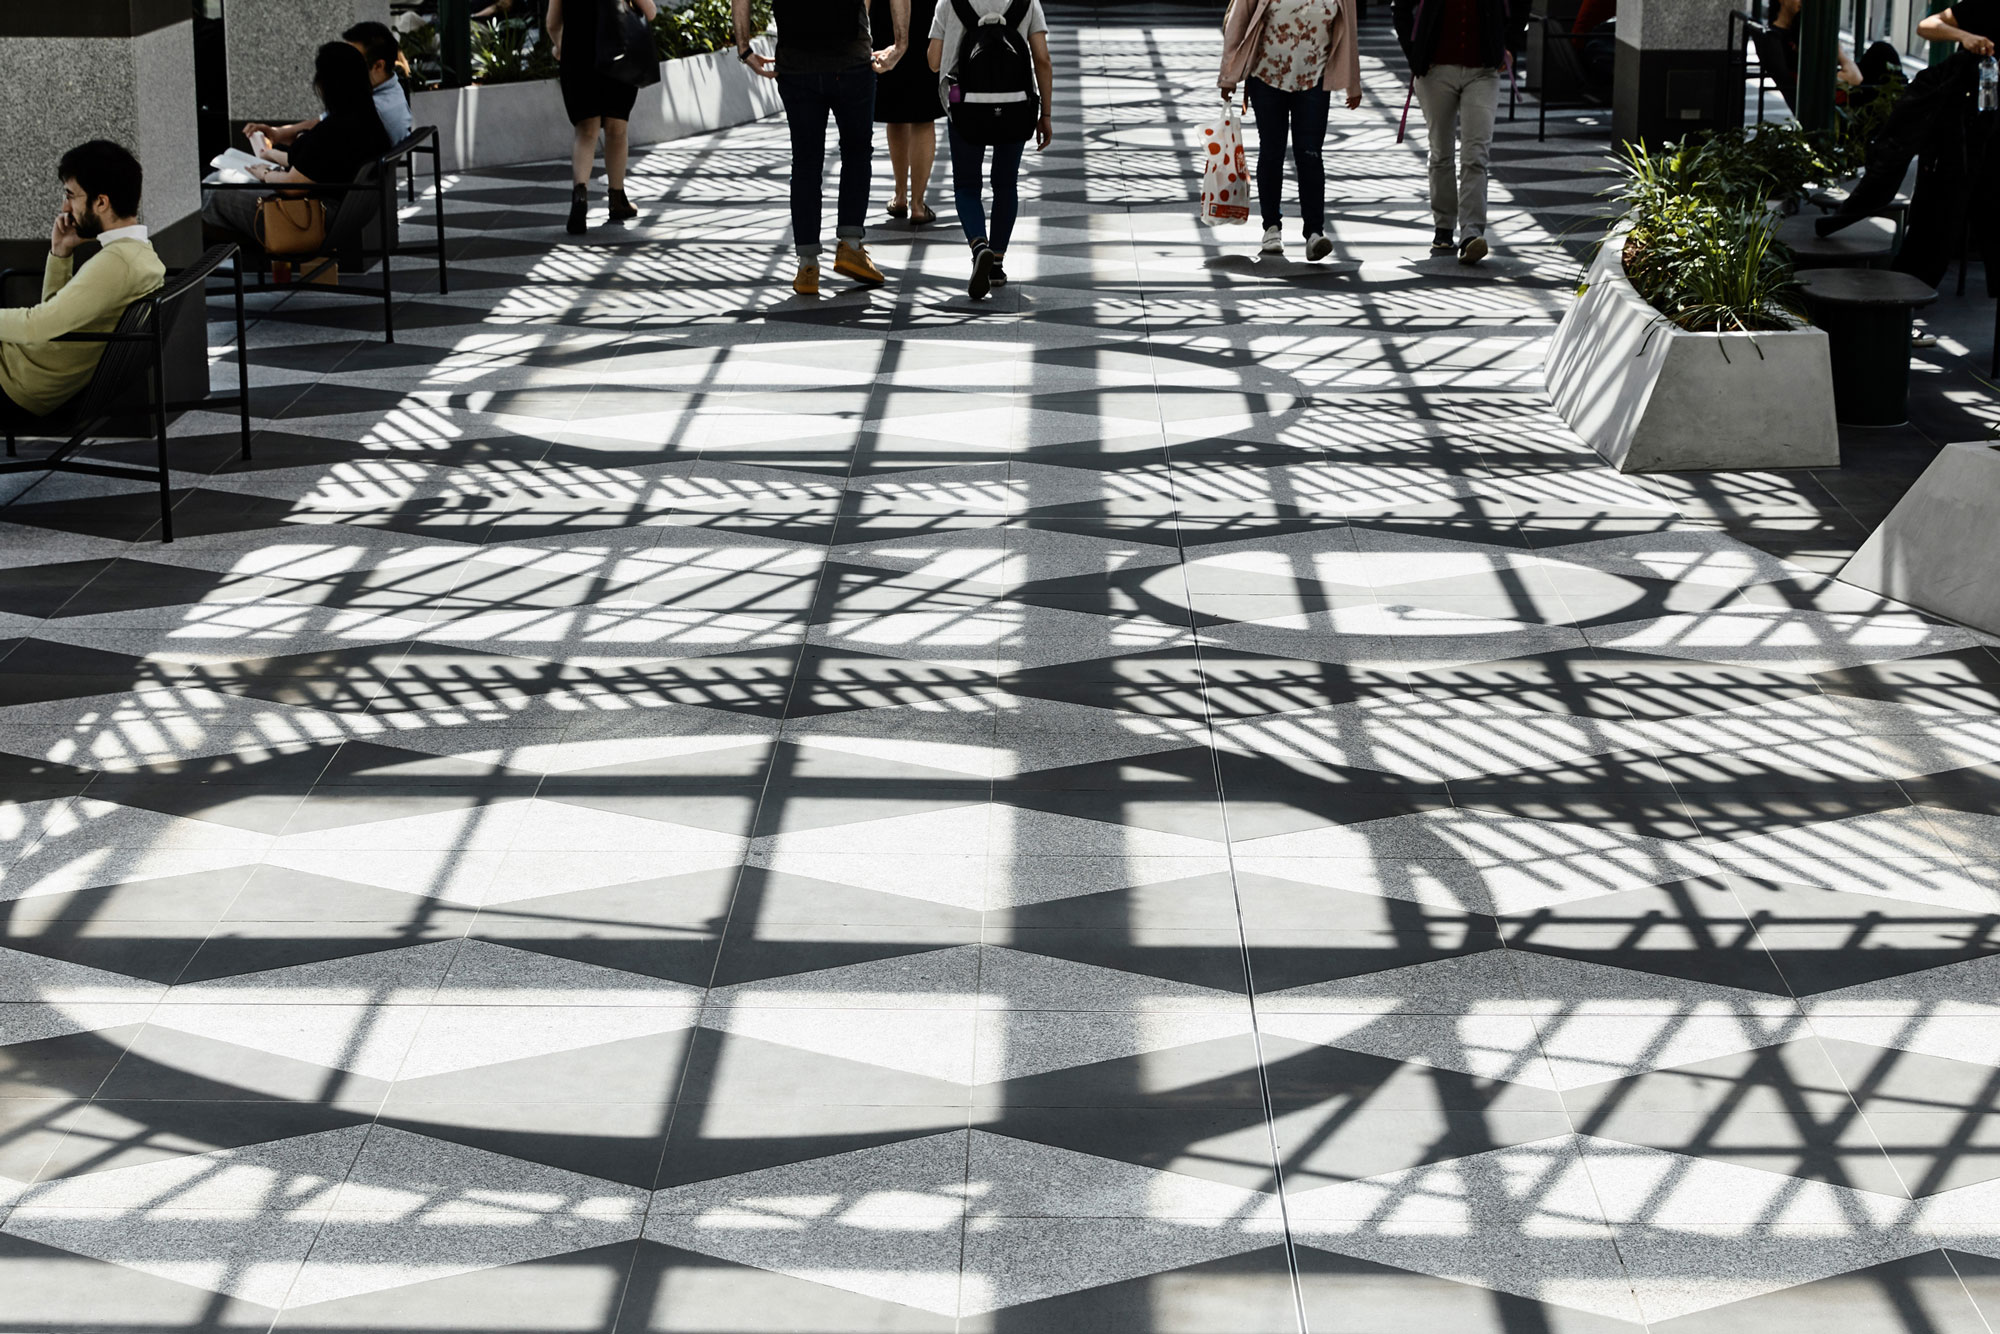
98	69
1676	72
271	44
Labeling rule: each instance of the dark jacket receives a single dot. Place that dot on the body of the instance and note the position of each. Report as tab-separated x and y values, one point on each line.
1503	24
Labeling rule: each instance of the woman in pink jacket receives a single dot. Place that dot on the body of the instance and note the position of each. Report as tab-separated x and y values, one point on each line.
1289	56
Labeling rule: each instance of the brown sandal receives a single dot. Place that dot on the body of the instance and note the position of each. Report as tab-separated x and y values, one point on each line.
924	219
899	210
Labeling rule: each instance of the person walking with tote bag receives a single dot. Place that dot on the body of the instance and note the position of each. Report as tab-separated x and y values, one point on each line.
596	99
1289	56
1456	49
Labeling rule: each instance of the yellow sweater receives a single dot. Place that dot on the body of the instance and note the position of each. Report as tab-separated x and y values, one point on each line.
40	374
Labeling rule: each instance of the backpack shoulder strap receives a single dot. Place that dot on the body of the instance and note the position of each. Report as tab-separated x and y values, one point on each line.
1017	13
968	17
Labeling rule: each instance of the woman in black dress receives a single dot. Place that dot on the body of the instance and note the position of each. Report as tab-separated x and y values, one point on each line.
906	100
594	102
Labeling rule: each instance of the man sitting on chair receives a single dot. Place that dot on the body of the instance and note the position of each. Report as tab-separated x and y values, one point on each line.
101	183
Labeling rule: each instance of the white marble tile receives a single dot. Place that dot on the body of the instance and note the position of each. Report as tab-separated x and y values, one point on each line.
1787	640
1474	859
886	1222
1000	636
1949	1011
1521	1220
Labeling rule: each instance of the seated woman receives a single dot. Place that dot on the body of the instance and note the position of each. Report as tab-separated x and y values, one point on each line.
1779	55
330	153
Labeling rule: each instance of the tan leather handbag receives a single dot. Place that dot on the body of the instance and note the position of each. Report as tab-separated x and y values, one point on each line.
290	226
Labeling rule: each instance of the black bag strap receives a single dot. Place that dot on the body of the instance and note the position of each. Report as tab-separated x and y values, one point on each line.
968	19
1017	13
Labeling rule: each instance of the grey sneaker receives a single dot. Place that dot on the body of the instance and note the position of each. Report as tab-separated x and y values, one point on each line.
1274	241
1473	250
1318	247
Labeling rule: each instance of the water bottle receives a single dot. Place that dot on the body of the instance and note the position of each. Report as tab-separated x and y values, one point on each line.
1989	84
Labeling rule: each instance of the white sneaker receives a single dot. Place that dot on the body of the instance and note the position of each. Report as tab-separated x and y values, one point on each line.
1274	241
1317	246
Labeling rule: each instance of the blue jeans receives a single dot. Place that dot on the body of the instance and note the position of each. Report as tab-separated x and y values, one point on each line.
849	96
968	165
1303	115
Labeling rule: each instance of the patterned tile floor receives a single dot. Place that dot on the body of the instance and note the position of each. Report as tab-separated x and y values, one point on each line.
1178	800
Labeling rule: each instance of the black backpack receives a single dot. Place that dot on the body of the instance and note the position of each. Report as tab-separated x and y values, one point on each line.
992	99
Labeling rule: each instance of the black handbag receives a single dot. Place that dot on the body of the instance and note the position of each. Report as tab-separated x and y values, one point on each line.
625	50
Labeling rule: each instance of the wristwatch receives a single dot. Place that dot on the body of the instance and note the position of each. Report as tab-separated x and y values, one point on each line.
743	53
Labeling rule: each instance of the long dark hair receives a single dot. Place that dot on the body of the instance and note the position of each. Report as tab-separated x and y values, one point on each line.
340	74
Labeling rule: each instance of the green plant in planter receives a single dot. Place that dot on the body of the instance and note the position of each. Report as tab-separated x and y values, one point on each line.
418	39
699	26
501	53
1713	267
1702	248
1782	161
1859	124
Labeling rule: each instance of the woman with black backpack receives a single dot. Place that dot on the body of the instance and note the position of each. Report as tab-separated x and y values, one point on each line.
992	58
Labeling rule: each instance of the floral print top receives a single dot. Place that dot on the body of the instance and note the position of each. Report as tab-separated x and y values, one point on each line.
1298	34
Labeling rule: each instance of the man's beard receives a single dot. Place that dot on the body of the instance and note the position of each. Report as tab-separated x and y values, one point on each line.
87	225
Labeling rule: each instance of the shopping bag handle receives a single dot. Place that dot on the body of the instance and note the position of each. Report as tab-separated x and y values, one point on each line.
1403	125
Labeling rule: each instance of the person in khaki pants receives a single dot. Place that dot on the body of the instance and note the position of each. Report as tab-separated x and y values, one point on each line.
1456	50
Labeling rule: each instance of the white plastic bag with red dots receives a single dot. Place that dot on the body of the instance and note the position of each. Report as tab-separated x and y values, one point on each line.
1225	181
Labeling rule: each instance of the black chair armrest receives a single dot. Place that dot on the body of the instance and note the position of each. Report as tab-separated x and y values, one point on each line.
82	337
15	275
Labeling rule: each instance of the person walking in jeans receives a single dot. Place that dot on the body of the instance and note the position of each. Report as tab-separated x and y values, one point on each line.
1294	53
826	65
968	159
1456	49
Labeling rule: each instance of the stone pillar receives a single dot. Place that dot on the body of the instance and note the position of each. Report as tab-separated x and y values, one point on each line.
98	69
1676	72
271	45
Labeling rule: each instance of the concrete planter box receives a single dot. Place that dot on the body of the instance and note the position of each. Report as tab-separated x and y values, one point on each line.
1653	398
1939	549
502	124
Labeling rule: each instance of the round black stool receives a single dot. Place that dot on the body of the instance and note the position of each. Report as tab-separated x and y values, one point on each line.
1862	244
1866	315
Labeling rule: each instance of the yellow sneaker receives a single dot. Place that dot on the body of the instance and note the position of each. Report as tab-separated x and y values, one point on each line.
807	281
852	260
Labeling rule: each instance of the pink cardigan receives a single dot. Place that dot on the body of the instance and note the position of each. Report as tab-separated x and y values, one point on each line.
1243	33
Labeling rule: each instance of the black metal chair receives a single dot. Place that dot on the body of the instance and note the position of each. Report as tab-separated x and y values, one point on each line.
130	379
195	277
360	230
423	142
1564	68
1750	36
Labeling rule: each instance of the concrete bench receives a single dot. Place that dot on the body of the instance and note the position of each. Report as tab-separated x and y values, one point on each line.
1866	315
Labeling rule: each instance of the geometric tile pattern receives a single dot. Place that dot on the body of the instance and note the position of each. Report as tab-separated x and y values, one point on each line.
1179	798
